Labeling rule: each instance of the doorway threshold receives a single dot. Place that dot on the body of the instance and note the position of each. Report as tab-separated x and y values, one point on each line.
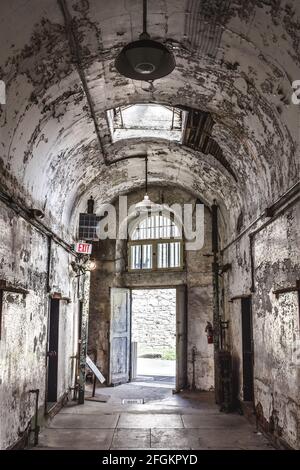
154	381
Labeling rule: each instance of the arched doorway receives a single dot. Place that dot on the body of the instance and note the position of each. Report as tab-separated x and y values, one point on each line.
155	244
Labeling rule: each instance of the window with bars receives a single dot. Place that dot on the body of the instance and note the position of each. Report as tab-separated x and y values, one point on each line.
88	226
156	243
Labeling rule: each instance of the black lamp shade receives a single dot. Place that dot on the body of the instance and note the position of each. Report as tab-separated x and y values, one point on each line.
145	60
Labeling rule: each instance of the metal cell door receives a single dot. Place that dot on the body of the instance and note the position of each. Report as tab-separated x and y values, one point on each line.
53	351
247	337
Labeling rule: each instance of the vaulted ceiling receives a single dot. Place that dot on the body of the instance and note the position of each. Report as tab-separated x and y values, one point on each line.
235	60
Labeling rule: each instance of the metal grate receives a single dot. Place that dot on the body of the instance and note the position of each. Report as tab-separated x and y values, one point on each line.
132	401
88	226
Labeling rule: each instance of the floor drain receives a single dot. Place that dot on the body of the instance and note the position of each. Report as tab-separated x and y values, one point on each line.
132	401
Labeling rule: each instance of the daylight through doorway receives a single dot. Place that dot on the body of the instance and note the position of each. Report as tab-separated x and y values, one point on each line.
154	335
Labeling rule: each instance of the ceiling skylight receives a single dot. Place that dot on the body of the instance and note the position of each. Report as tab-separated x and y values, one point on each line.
146	120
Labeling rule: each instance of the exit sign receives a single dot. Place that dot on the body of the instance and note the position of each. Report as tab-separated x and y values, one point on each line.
85	248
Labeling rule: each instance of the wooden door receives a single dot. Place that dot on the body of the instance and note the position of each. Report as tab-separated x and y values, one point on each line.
120	326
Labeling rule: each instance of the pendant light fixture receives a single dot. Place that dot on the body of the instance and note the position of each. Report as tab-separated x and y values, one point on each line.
145	59
146	205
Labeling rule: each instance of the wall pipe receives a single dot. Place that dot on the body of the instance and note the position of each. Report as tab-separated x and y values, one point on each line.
259	229
216	300
215	271
49	243
285	197
25	212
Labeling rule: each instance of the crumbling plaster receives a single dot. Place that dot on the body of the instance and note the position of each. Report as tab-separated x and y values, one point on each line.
24	323
48	143
50	157
276	327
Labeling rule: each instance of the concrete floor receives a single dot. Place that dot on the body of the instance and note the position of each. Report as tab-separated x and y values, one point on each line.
189	420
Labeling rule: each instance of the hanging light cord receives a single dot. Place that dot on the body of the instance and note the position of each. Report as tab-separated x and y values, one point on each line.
145	17
146	174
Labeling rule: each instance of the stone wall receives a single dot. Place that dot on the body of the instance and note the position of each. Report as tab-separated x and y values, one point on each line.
154	320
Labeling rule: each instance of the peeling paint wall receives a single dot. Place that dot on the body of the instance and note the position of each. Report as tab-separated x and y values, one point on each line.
48	141
237	63
23	343
276	328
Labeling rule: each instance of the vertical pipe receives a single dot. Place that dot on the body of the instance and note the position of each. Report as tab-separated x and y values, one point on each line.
49	242
216	301
215	270
94	385
84	338
252	287
215	241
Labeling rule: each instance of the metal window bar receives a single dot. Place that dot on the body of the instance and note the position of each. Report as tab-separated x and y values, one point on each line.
136	257
162	255
169	255
172	255
146	256
156	227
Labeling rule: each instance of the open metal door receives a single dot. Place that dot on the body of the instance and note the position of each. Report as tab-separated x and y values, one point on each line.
181	338
120	323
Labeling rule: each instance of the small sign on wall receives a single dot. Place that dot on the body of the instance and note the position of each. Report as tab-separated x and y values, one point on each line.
84	248
95	369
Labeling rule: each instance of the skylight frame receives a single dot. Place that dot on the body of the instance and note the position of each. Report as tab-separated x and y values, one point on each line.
123	128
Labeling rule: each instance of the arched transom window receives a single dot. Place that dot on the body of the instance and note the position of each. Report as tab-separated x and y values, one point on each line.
155	243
